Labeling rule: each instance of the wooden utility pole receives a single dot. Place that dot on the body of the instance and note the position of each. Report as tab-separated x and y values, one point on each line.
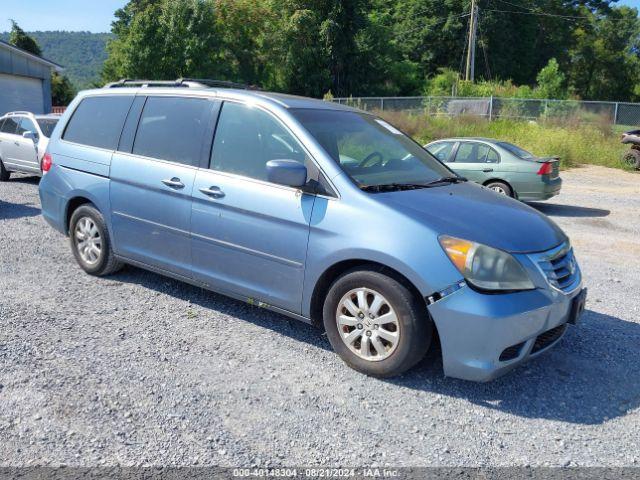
470	72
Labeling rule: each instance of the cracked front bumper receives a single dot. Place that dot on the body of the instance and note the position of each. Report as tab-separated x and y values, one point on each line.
475	329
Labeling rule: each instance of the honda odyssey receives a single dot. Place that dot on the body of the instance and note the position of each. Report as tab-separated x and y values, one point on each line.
315	210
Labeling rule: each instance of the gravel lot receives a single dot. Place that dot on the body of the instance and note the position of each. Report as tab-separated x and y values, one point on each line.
137	369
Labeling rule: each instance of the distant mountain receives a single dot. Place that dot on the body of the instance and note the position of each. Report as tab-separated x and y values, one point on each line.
81	53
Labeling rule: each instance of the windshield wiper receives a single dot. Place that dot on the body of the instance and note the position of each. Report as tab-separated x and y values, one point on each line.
446	180
389	187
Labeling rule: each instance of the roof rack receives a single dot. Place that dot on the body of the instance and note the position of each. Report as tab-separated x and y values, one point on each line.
180	82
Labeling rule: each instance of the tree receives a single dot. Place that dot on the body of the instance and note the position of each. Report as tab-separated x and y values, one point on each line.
62	92
604	62
164	39
551	81
20	39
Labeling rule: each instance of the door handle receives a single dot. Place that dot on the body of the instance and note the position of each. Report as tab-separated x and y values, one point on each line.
213	192
17	144
487	170
174	183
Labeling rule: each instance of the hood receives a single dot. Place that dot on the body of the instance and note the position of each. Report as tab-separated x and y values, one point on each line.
468	211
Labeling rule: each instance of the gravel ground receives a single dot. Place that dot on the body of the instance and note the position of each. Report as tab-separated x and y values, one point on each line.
137	369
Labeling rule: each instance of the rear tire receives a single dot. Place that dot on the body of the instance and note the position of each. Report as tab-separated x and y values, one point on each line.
4	173
500	187
632	158
363	332
90	242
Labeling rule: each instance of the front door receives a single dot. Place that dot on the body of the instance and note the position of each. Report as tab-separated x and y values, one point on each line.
249	237
151	186
27	149
475	161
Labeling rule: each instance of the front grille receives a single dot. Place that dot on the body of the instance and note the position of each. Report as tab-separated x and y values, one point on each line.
547	338
560	268
511	352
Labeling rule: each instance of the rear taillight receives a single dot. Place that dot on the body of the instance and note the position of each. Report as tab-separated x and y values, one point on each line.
47	161
546	169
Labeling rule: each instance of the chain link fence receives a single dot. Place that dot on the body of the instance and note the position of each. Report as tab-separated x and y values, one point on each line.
616	113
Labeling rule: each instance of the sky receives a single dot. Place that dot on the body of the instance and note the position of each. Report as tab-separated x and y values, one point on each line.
76	15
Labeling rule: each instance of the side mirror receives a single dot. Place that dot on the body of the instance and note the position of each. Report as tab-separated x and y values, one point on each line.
287	172
30	135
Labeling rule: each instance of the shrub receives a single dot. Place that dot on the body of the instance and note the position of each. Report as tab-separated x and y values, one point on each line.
574	143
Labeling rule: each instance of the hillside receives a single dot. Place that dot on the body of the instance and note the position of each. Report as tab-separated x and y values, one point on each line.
81	53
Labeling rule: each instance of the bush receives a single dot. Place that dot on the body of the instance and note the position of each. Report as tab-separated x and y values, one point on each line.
574	143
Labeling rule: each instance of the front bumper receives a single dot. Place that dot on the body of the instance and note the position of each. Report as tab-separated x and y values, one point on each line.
476	329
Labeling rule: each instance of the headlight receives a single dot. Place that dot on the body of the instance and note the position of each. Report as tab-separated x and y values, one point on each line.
485	267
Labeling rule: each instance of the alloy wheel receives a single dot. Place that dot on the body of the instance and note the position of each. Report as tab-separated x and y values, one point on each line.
88	240
499	189
368	324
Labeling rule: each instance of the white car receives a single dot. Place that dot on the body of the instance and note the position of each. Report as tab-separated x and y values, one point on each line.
23	141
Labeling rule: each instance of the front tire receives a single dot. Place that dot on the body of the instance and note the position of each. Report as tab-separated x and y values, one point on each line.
4	173
376	324
90	242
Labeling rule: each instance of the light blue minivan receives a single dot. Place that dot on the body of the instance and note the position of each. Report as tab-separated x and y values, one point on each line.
317	211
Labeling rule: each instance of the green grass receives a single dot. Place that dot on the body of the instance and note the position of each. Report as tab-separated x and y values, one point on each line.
574	142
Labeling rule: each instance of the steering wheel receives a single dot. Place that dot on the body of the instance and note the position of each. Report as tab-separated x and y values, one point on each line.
371	156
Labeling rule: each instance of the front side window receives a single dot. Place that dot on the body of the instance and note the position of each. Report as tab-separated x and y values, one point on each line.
10	125
97	121
247	138
173	128
47	125
369	150
441	150
26	125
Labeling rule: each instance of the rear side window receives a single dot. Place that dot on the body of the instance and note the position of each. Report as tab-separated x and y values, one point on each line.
10	125
97	122
173	129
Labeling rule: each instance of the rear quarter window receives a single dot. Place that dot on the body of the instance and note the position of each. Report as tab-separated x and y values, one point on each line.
98	121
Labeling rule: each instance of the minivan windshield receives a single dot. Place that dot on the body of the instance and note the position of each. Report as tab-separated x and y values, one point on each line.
371	151
47	125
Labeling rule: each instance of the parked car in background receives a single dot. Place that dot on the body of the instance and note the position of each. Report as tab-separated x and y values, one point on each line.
23	141
501	166
249	194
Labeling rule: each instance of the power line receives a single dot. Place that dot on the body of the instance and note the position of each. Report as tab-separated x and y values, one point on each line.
483	42
540	14
440	21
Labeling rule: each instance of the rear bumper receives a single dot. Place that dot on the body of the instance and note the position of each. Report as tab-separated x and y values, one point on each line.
548	189
53	203
484	336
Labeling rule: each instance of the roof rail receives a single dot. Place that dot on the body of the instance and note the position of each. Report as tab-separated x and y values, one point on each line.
128	82
180	82
210	82
19	112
